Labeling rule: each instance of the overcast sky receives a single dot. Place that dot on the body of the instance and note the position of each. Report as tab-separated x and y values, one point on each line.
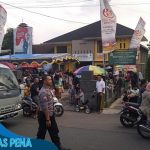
78	13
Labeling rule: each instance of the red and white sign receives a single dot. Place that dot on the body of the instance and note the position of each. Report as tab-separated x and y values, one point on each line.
138	34
108	26
23	40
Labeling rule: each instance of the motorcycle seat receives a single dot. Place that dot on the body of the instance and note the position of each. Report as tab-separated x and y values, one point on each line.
136	105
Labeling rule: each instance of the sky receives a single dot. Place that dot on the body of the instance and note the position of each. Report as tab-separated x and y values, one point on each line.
52	18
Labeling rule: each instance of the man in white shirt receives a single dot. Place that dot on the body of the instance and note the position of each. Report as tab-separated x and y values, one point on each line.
100	88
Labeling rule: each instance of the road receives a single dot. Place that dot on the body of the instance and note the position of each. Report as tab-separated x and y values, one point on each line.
80	131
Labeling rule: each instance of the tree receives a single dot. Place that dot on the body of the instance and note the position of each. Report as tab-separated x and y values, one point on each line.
8	40
147	71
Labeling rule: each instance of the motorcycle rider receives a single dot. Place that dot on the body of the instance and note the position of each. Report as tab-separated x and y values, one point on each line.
145	105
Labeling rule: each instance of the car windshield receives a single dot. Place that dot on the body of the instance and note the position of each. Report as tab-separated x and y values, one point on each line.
7	79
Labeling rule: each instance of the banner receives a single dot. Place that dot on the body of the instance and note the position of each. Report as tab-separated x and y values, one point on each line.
138	34
108	26
3	18
84	57
23	40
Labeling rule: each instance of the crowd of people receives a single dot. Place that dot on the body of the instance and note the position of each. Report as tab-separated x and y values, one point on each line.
133	89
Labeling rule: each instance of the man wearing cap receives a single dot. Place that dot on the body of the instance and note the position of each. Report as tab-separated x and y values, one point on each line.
46	118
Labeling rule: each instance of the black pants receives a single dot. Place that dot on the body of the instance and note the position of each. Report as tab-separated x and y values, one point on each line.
53	129
99	98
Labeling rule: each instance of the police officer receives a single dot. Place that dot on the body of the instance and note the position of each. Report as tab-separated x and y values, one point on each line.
46	118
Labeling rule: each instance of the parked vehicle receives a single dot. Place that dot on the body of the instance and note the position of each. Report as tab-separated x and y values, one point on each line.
83	107
10	94
58	107
29	107
129	115
143	126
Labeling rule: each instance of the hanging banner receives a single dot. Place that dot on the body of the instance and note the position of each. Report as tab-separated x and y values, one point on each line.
138	34
108	26
3	18
23	40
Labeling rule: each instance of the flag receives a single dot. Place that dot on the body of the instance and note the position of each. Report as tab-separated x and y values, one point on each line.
138	34
3	18
108	26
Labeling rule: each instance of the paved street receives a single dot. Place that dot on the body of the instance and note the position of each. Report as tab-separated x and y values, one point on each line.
81	131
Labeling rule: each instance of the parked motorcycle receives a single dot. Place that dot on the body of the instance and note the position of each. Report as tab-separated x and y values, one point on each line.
129	115
143	126
28	110
58	107
83	107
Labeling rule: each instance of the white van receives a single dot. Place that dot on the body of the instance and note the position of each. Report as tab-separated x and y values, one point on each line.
10	95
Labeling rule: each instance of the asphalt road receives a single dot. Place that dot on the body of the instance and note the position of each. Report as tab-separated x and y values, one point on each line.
80	131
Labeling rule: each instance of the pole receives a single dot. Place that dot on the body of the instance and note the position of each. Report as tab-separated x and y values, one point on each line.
104	66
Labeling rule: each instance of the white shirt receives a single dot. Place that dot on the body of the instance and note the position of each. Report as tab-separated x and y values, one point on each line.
22	87
100	86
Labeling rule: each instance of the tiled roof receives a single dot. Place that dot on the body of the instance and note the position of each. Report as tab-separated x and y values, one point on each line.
92	31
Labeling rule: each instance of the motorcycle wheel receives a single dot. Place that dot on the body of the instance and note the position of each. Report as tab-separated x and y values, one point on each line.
58	111
26	111
124	121
77	109
144	130
87	111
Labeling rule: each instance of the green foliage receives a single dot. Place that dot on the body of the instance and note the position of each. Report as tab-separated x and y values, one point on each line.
147	71
8	40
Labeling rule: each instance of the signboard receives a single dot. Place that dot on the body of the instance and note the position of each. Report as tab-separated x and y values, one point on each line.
84	57
23	40
3	18
122	57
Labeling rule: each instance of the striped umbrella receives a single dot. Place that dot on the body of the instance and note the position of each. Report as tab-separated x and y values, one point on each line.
96	70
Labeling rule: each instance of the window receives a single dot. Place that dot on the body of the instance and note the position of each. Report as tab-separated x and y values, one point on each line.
99	47
124	45
51	51
120	45
61	49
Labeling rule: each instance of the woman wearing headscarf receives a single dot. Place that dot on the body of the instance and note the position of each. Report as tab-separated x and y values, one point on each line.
145	105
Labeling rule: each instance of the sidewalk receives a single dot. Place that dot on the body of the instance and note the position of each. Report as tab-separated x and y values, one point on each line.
113	109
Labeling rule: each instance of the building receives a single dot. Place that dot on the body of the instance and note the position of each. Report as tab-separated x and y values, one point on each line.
85	44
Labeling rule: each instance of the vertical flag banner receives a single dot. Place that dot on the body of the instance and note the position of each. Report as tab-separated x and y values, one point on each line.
23	40
138	34
108	26
3	18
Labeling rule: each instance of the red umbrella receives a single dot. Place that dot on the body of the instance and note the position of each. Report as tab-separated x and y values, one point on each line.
10	65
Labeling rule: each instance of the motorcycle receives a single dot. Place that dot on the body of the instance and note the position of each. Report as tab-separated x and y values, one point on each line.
143	126
58	107
28	108
129	115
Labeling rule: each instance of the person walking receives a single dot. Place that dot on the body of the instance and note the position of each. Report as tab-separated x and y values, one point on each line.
35	93
46	118
100	88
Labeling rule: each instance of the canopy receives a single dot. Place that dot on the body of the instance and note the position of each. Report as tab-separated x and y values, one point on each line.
38	58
